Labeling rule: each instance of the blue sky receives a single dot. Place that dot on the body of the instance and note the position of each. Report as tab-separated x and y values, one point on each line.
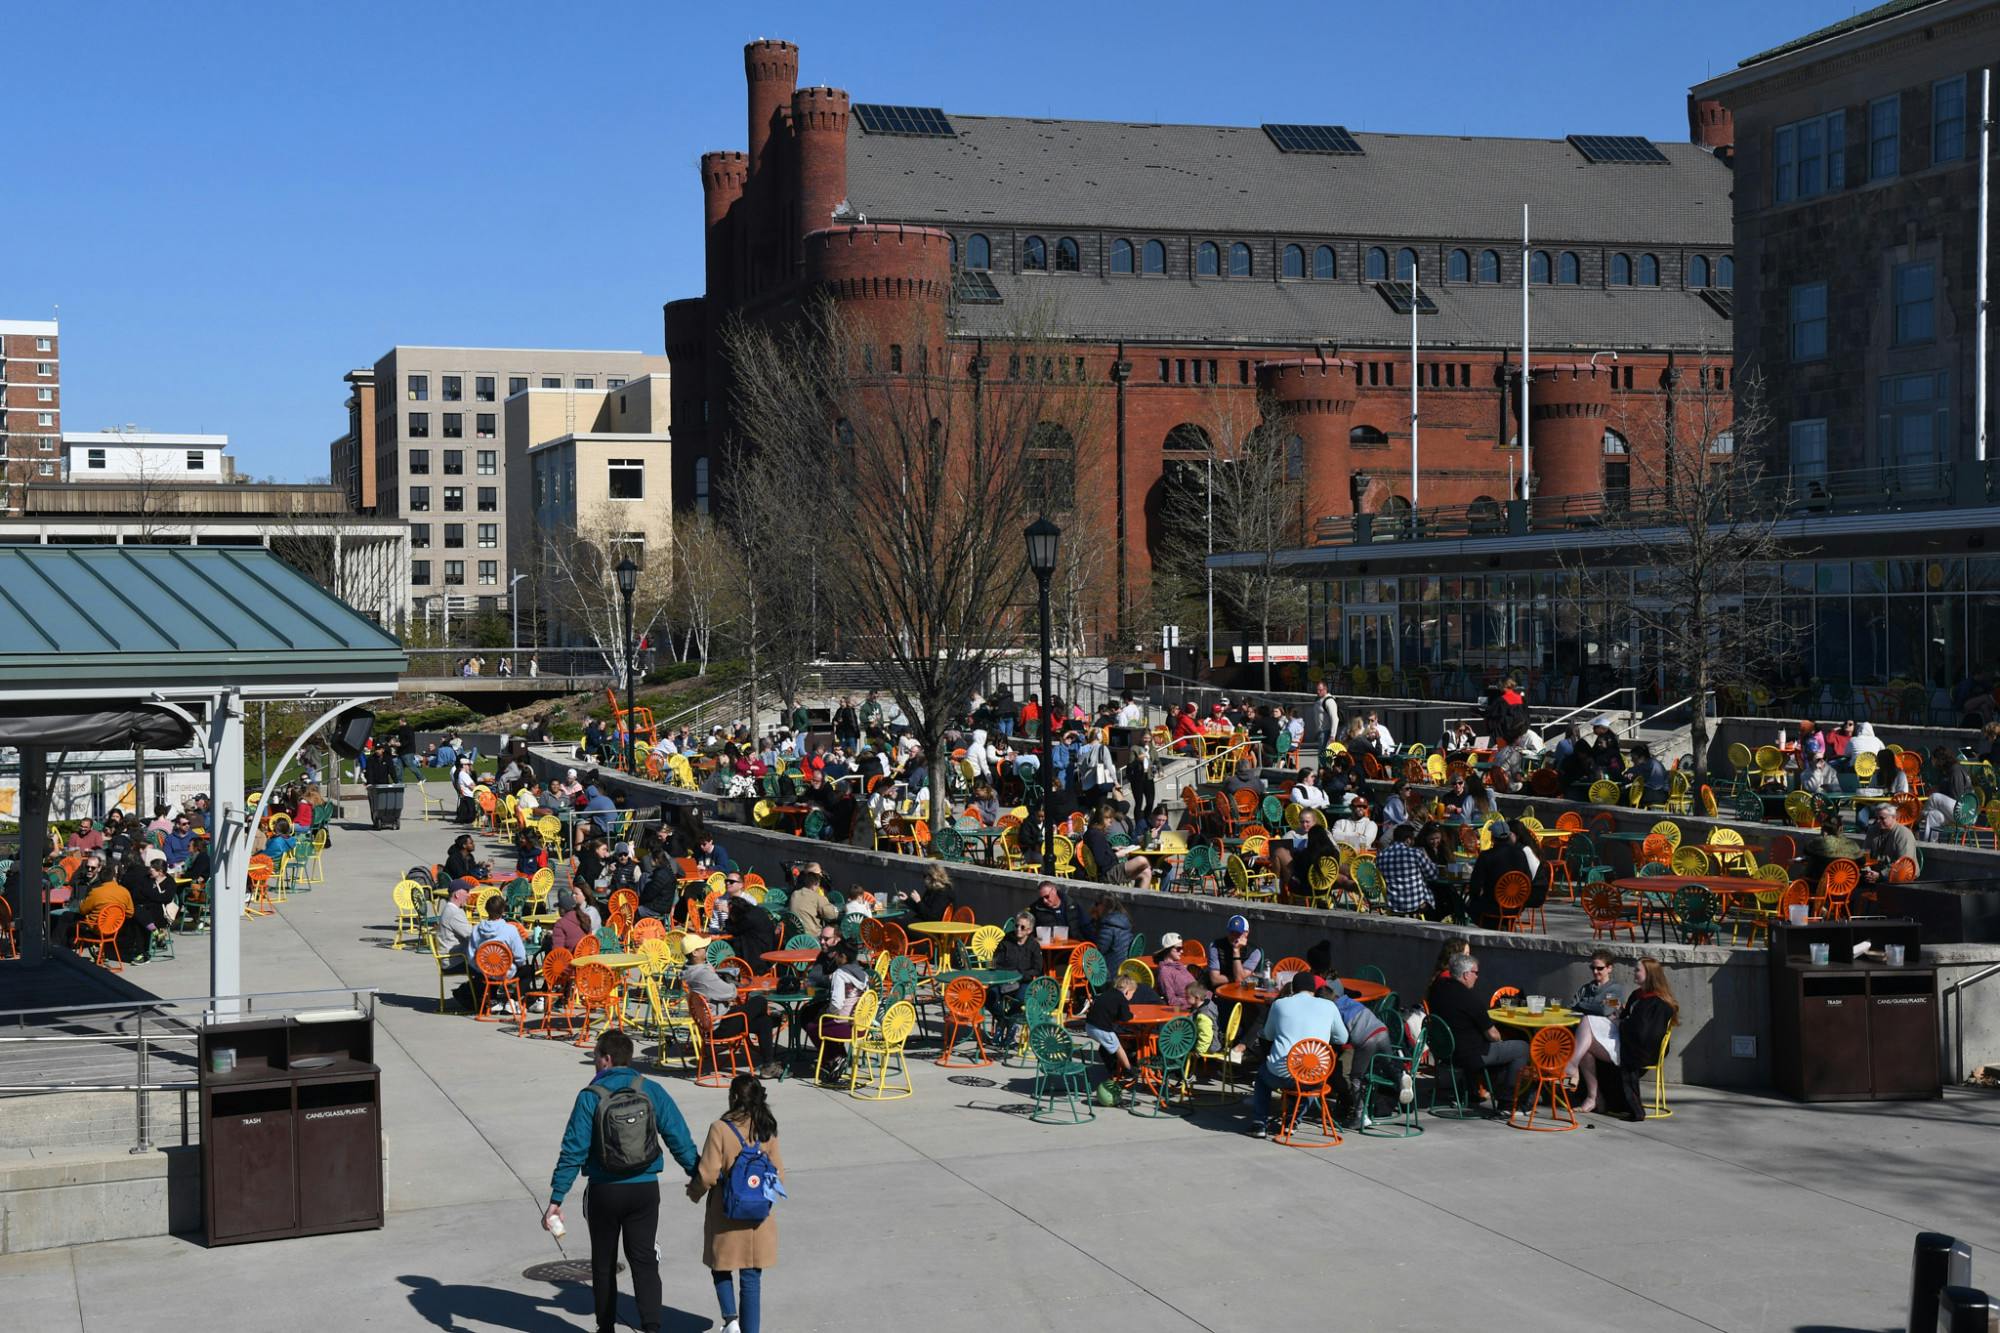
234	204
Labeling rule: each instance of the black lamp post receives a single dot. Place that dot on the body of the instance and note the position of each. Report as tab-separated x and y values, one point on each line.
1043	539
628	583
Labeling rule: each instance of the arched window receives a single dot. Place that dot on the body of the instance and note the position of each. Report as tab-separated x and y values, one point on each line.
1378	264
1489	266
1698	271
978	252
1367	435
1186	439
1324	266
1621	270
1034	254
1156	257
1239	260
1569	272
1617	470
1068	259
954	250
1459	267
1208	260
1614	443
1538	267
1483	514
1121	256
1649	271
1294	262
1406	264
701	485
1725	271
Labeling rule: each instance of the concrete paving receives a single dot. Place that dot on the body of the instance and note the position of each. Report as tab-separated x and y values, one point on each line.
951	1209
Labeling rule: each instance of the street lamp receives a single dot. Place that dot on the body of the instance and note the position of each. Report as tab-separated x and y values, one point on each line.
1043	539
628	583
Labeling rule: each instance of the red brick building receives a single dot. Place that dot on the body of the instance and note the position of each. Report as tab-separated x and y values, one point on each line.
1194	266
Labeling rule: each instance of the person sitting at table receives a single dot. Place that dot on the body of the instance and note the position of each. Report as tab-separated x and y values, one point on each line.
1172	970
1629	1040
931	899
711	855
829	1015
461	862
529	854
109	893
720	992
809	902
1245	778
1293	858
86	838
1604	749
572	927
1114	864
1110	1009
1889	841
496	926
1300	1016
1506	855
1410	880
1831	845
1952	784
1232	959
1817	775
986	802
1017	952
623	872
1601	994
752	932
1307	793
1052	911
660	891
1110	929
1650	773
1477	1047
1352	826
1207	1016
1367	1035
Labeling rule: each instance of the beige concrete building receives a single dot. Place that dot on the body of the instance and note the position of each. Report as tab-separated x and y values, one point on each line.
423	443
599	467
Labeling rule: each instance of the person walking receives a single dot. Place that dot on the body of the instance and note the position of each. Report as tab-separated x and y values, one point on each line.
736	1250
614	1136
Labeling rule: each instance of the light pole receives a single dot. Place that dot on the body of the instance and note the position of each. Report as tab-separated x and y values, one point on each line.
628	583
1043	539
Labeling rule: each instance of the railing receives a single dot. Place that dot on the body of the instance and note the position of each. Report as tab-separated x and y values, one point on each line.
1952	1003
174	1023
1856	491
523	662
1580	709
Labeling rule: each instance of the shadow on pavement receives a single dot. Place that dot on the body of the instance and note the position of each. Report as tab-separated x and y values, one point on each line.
565	1310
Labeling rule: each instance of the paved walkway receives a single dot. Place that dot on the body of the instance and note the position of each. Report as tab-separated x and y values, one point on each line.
952	1210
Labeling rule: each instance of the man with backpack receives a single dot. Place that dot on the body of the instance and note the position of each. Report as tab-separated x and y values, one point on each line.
614	1136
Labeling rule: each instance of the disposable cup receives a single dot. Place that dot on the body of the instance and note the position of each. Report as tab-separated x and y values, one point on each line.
1820	953
1797	912
1536	1003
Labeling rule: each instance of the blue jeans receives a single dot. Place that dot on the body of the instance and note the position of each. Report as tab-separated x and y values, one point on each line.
726	1284
1260	1096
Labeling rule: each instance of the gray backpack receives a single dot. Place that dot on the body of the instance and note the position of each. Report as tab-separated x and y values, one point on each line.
627	1141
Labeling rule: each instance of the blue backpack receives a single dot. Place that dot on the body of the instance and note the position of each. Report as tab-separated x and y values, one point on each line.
752	1185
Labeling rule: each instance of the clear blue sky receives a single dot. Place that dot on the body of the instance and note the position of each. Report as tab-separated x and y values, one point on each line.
234	203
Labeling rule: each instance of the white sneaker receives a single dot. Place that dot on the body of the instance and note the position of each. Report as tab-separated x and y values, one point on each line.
731	1326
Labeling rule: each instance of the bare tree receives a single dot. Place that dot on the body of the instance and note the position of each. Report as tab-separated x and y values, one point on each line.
707	578
934	454
578	581
773	512
1698	530
1247	499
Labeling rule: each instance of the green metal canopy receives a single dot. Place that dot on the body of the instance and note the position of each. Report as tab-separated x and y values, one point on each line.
118	618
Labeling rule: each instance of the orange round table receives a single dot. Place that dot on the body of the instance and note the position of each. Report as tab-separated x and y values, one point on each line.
1365	991
1058	953
791	956
1151	1015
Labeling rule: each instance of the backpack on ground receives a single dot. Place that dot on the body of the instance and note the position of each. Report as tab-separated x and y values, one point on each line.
752	1184
627	1141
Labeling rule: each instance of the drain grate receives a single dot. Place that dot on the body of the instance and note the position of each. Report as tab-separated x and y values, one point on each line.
561	1270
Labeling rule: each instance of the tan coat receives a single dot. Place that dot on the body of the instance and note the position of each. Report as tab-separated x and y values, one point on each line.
726	1244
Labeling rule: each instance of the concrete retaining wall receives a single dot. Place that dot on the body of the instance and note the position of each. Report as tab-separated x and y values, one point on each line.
109	1196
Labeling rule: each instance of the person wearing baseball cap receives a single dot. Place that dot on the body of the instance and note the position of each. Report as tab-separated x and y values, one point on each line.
1175	978
1231	957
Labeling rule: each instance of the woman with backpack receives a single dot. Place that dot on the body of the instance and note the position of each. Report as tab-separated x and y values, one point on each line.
739	1235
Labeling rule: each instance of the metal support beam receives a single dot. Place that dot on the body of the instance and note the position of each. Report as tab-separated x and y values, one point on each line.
230	831
30	917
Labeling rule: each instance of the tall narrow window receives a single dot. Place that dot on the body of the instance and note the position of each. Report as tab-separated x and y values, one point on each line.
1948	119
1325	267
1121	256
1459	267
1698	271
978	252
1809	322
1621	271
1649	271
1034	254
1725	271
1489	266
1406	264
1155	257
1068	258
1294	262
1208	260
1915	295
1538	267
1885	128
701	485
1239	260
1807	442
1377	269
1569	271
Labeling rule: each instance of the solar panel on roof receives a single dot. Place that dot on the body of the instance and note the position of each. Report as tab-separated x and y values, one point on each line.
1331	139
1399	297
1721	300
1629	148
974	287
917	122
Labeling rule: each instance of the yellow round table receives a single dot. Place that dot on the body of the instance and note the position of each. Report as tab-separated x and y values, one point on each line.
951	934
1554	1016
617	962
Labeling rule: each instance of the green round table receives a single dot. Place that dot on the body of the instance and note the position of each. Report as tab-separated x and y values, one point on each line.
985	976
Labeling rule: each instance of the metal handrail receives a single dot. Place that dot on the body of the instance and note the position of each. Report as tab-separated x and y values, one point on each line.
1953	1001
1561	718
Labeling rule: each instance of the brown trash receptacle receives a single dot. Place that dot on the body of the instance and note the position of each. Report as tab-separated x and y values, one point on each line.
1854	1028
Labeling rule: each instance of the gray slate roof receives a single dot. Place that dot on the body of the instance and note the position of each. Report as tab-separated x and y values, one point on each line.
1225	179
1348	313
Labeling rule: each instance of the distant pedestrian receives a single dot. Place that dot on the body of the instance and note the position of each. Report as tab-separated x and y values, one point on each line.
736	1248
614	1136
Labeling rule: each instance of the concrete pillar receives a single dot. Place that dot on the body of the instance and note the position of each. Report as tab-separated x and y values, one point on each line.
231	838
30	918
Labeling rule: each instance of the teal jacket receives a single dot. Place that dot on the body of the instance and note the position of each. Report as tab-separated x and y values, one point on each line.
579	1146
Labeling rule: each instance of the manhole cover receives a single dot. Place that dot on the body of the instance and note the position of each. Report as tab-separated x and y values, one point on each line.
973	1081
561	1270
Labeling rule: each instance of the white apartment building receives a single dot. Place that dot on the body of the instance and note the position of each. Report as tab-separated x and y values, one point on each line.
146	456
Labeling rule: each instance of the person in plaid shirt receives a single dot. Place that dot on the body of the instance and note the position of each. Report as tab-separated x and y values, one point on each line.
1407	875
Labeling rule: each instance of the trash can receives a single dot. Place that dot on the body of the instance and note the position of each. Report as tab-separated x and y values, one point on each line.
385	806
1856	1027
